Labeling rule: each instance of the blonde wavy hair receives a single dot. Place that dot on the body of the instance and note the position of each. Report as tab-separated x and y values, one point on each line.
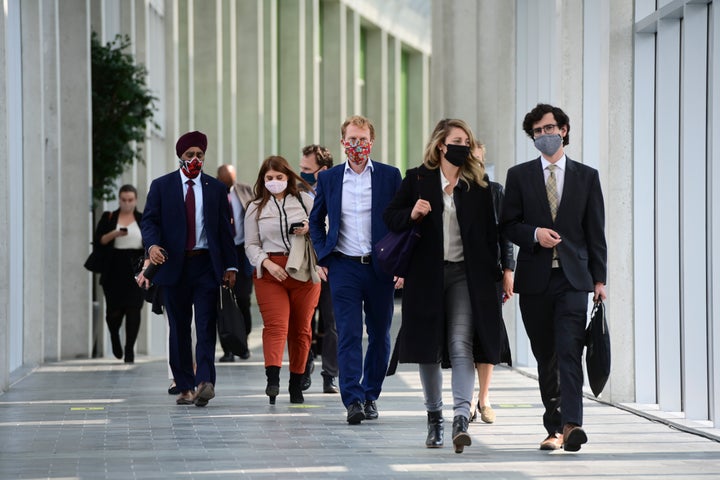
472	171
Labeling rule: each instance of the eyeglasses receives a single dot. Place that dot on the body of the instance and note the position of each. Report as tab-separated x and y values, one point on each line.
547	129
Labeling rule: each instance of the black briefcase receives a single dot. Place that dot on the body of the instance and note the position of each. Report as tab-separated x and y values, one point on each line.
597	354
230	323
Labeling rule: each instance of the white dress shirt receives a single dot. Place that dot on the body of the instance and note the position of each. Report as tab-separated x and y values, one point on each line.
355	236
452	241
200	236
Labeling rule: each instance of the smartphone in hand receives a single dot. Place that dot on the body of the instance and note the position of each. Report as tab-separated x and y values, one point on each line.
293	226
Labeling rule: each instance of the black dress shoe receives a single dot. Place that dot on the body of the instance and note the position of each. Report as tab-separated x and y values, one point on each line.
228	357
245	355
173	389
355	413
329	385
371	412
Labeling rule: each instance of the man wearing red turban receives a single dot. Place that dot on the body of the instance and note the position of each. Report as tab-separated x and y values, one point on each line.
186	229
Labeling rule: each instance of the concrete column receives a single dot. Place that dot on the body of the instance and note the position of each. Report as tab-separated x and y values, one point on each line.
616	174
33	171
4	207
291	82
334	72
250	78
417	129
206	62
73	178
376	88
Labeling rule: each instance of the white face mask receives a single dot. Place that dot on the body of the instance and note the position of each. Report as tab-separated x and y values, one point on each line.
276	186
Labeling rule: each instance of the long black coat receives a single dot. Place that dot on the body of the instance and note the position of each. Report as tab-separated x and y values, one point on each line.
422	337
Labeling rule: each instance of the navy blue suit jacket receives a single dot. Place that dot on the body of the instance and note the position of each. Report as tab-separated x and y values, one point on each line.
328	204
164	224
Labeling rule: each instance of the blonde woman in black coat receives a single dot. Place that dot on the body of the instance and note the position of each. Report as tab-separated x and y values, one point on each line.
449	306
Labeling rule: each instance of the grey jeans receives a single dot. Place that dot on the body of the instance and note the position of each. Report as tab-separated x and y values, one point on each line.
458	315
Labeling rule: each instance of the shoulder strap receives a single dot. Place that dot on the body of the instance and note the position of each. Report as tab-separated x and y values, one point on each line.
302	204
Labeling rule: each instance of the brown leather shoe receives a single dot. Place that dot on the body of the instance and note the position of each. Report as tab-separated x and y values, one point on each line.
552	442
574	436
185	398
205	393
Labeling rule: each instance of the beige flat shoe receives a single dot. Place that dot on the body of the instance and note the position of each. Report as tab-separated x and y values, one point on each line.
487	414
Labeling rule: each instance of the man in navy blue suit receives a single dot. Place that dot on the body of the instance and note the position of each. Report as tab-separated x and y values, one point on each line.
352	197
186	228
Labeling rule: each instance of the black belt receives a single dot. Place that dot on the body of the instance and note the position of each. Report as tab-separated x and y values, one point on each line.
448	262
195	253
278	254
364	259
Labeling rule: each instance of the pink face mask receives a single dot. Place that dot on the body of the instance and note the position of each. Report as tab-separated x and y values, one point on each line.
191	168
357	152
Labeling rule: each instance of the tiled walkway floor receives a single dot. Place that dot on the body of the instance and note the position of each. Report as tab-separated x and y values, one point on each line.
100	419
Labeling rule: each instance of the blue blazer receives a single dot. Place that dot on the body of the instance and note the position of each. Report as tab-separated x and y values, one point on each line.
164	224
328	204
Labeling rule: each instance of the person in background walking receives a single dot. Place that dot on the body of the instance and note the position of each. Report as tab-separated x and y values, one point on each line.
119	233
239	195
316	159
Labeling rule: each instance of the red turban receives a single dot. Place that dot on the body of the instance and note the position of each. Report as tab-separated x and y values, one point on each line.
191	139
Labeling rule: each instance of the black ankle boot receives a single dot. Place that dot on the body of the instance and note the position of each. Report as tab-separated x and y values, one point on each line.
436	430
461	438
273	383
295	388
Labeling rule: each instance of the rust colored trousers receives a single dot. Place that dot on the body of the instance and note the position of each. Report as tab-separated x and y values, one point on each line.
287	308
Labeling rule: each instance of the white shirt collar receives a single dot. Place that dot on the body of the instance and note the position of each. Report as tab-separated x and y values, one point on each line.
368	165
444	182
560	163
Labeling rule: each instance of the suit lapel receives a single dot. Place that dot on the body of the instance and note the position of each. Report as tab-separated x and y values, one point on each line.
537	179
569	185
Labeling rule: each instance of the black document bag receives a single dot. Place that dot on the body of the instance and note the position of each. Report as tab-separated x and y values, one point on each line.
597	355
230	322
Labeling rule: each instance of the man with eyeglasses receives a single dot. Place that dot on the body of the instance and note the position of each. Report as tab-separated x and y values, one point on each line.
351	198
553	210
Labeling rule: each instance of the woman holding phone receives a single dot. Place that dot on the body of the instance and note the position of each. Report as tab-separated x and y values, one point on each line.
278	213
119	233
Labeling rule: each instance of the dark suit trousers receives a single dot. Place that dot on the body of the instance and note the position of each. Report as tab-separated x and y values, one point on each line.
197	288
555	323
354	288
330	336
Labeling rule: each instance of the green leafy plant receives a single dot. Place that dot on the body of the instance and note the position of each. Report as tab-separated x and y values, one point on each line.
122	106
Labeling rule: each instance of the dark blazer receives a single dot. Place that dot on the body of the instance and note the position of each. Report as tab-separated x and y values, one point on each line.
580	221
506	253
328	203
164	225
422	336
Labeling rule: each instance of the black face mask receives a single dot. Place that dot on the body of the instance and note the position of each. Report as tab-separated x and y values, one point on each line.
457	154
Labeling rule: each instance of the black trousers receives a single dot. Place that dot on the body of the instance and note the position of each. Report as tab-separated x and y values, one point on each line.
555	323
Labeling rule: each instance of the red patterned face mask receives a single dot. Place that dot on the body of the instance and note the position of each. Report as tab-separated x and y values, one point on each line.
191	168
357	152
